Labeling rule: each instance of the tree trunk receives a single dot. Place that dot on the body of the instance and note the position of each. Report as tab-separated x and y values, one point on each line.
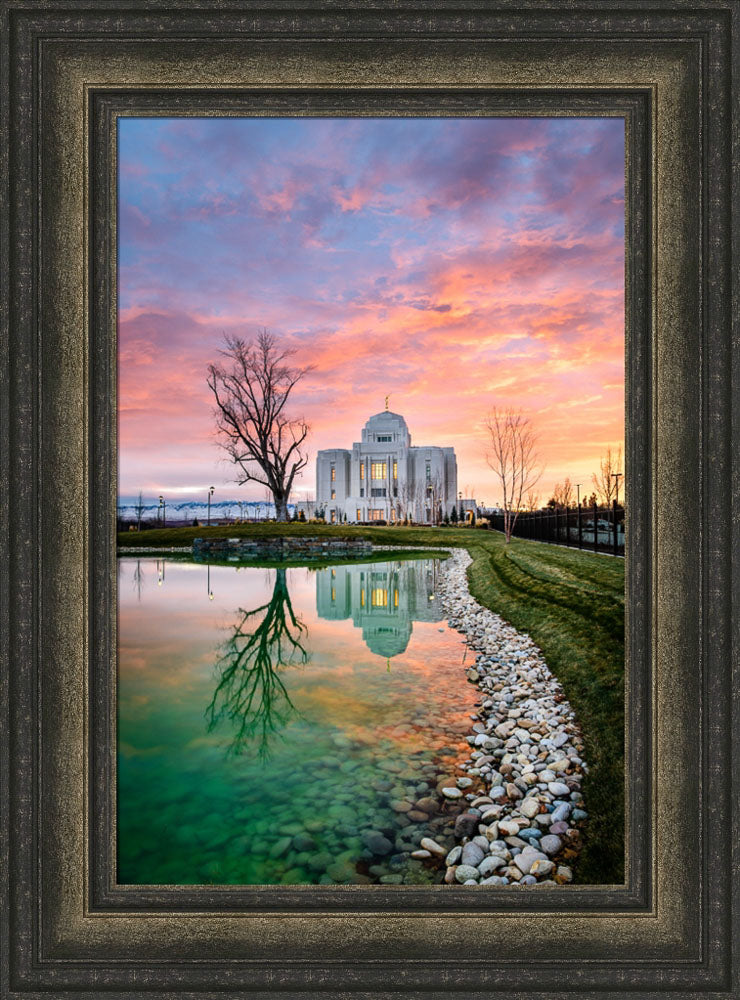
281	508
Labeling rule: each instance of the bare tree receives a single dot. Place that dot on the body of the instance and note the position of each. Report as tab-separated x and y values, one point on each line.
513	457
563	493
532	500
407	497
604	481
252	388
434	497
139	508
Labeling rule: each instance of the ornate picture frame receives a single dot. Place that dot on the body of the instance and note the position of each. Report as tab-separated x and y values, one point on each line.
68	72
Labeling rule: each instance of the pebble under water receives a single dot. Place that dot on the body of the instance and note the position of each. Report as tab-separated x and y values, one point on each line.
286	726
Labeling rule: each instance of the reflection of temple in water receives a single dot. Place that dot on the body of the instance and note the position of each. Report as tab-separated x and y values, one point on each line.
383	599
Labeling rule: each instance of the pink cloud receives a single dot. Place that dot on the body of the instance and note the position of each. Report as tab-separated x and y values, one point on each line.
454	277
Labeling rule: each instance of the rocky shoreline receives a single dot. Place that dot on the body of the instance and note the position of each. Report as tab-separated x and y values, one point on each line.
520	792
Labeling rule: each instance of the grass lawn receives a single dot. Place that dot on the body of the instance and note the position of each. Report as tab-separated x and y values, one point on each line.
571	603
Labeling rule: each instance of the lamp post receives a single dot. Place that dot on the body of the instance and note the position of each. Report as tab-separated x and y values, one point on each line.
459	497
210	494
163	507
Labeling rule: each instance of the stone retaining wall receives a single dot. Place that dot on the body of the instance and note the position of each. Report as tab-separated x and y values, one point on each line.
278	547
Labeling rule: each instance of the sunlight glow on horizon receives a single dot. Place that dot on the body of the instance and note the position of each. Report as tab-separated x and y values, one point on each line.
454	264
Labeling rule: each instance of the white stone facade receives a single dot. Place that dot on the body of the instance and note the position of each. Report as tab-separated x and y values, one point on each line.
384	478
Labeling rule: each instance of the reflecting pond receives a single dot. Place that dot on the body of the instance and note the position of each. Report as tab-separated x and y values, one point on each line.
285	725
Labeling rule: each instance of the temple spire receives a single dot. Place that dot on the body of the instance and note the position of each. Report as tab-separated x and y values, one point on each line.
386	403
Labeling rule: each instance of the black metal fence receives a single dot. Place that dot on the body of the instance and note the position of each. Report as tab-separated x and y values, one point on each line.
600	529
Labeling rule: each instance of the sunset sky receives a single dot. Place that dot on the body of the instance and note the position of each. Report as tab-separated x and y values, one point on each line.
453	264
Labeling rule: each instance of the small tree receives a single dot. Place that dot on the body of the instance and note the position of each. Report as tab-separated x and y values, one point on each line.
603	480
533	500
453	514
563	494
139	508
252	388
513	457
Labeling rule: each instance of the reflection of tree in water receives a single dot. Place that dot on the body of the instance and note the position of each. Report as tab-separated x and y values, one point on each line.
250	693
138	579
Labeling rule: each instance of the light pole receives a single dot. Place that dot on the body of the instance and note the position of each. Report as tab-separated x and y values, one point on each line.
163	506
578	493
210	494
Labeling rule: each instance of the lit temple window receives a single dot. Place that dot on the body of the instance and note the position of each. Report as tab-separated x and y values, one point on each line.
333	473
362	598
333	594
362	470
333	494
378	470
359	514
378	597
333	516
395	598
395	469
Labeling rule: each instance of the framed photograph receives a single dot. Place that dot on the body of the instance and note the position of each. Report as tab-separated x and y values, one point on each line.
299	606
368	489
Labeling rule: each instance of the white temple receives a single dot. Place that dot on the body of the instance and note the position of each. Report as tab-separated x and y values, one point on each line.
384	477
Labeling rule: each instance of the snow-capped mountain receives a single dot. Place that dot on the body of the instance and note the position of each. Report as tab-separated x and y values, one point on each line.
190	510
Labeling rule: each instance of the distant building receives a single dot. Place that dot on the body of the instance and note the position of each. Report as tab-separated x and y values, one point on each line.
384	478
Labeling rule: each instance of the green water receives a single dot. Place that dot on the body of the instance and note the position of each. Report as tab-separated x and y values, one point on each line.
275	725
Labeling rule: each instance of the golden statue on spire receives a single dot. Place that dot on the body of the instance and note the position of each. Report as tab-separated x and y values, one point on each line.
386	403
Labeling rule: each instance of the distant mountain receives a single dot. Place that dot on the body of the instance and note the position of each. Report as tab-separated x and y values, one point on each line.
190	510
